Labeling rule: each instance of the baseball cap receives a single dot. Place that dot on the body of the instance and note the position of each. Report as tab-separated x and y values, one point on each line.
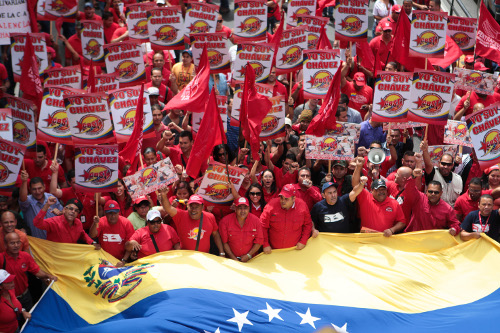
479	66
88	4
469	59
386	26
288	121
359	78
327	185
188	52
51	51
242	201
5	277
76	202
152	214
287	191
153	91
340	162
111	206
396	9
161	2
378	28
195	198
378	184
140	199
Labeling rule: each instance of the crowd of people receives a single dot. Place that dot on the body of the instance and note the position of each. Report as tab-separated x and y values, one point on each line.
285	199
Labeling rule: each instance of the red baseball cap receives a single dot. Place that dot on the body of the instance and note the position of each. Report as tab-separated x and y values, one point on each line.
479	66
360	79
242	201
386	26
396	9
195	199
140	199
51	51
288	191
469	59
111	206
5	277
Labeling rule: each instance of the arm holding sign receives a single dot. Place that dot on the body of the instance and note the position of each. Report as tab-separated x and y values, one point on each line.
172	211
54	190
23	191
424	148
345	69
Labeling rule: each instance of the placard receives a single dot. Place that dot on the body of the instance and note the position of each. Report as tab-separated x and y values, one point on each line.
436	152
105	82
6	124
273	124
261	88
66	9
289	57
392	99
23	121
96	168
259	56
137	20
428	34
17	51
314	25
14	18
330	147
484	129
457	133
346	129
403	125
70	77
126	60
250	20
463	31
196	117
351	20
214	189
320	67
11	159
200	18
480	82
217	51
166	28
299	7
92	38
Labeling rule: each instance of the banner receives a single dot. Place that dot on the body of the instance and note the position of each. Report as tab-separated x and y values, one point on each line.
289	57
122	104
66	9
456	133
105	82
431	95
263	89
17	53
298	7
213	187
463	31
403	125
89	119
480	82
330	147
314	25
14	18
250	20
23	121
53	123
92	38
96	168
166	28
320	67
484	131
391	98
70	77
126	60
217	51
273	125
196	117
346	129
428	34
151	178
6	124
11	160
351	20
200	18
137	20
436	152
260	57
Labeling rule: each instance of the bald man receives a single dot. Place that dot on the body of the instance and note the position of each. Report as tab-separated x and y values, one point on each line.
8	224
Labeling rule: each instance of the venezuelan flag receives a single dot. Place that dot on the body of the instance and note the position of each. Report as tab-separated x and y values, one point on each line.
418	282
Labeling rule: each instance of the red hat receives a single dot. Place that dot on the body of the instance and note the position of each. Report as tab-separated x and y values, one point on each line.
386	26
378	28
469	59
195	199
490	169
479	66
111	206
359	79
140	199
396	9
51	51
5	277
287	191
242	201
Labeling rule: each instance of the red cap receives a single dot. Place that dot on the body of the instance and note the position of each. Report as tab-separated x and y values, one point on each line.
111	206
195	199
490	169
6	277
396	9
378	28
359	79
242	201
386	26
140	199
288	191
479	66
469	59
51	51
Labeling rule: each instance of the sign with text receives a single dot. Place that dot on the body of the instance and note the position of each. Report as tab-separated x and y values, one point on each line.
126	60
217	51
457	133
250	20
200	17
484	129
391	99
436	152
6	124
403	125
14	18
70	77
137	20
23	121
463	31
11	159
320	67
289	57
92	38
96	168
299	7
346	129
480	82
428	34
314	25
330	147
65	9
104	82
214	188
259	56
18	42
273	124
166	28
351	20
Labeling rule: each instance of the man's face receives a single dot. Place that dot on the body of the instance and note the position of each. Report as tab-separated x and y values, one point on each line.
407	6
242	211
302	141
433	7
108	22
150	159
339	171
185	144
386	34
112	217
380	194
313	103
186	60
158	60
169	140
157	117
37	191
287	164
195	210
286	203
330	195
4	205
304	175
395	136
153	99
395	16
39	159
343	116
219	23
272	76
485	206
71	212
390	68
445	165
143	209
409	161
155	225
9	222
89	12
156	78
116	3
474	192
13	243
434	193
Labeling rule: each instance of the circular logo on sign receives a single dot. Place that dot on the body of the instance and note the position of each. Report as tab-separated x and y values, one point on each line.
90	124
269	124
58	121
166	33
21	132
217	191
430	103
427	40
320	80
97	175
391	103
127	69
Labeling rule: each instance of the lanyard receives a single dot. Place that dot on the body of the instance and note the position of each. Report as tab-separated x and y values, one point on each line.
481	224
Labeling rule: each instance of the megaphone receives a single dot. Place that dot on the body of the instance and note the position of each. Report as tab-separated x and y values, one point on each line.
376	156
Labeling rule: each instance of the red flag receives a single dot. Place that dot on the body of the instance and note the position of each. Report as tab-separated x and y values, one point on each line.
91	78
31	4
364	51
401	41
251	122
275	41
451	53
206	139
195	95
31	84
323	42
377	65
488	36
322	4
133	148
59	23
325	119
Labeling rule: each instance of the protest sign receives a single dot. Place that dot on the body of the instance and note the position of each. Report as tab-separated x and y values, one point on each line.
23	121
6	124
65	9
200	17
214	188
92	38
14	18
320	67
89	119
463	31
70	77
329	147
126	60
428	34
53	123
436	152
391	98
484	129
196	117
137	20
273	124
289	56
17	53
403	125
260	57
351	20
457	133
122	104
250	20
96	168
480	82
261	88
151	178
299	7
314	25
11	159
346	129
103	82
217	51
166	28
40	10
431	95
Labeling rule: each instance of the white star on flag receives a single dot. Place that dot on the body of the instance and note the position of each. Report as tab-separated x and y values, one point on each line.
307	318
240	319
342	329
272	313
216	331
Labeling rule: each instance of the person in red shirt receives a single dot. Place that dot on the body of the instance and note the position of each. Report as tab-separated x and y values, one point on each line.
9	305
66	228
188	224
466	105
51	55
469	201
153	238
156	76
255	196
122	197
113	232
88	13
4	79
40	166
286	221
120	35
278	88
222	28
109	26
382	44
158	61
73	45
273	14
8	225
159	126
241	232
392	19
305	189
360	95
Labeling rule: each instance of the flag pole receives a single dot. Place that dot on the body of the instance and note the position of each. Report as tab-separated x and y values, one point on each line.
97	204
55	152
34	307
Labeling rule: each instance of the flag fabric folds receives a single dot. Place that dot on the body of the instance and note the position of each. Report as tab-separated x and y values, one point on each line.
451	53
412	282
488	35
323	42
31	85
401	40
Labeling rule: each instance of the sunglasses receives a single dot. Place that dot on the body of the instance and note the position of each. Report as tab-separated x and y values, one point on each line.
219	21
446	164
432	192
255	193
155	222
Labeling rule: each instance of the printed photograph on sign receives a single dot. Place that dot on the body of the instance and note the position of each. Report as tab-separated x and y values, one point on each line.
259	56
23	121
351	20
403	125
319	67
299	7
166	28
436	152
137	20
250	20
96	168
70	77
217	51
314	25
92	37
17	53
485	135
457	133
213	187
126	60
463	32
346	129
200	18
428	34
330	147
480	82
391	98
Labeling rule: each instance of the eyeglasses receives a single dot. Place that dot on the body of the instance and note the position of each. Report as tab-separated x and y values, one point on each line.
255	193
219	21
71	209
155	222
446	164
432	192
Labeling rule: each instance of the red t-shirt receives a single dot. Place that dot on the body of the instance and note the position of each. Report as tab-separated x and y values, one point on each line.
19	266
8	317
113	237
151	142
280	90
165	239
274	11
81	16
241	239
122	203
163	92
379	215
187	228
45	173
59	230
310	196
474	99
165	78
108	32
76	43
378	45
226	30
88	202
464	205
358	98
118	32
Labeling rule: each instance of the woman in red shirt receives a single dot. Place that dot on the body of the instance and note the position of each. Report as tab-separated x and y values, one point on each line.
122	197
182	193
10	307
256	199
269	187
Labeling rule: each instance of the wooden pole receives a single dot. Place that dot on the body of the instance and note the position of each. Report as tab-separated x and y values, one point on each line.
290	87
55	152
330	167
140	159
97	204
460	150
426	130
33	308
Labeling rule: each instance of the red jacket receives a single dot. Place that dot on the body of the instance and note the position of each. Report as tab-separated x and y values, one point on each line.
58	229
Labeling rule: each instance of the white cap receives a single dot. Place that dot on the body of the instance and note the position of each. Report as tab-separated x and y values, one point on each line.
5	276
153	91
160	2
152	214
288	121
